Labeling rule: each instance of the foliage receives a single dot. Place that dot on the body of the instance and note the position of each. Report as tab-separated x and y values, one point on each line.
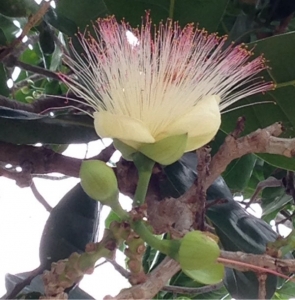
30	113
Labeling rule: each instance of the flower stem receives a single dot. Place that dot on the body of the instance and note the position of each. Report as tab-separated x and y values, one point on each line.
119	211
168	247
144	166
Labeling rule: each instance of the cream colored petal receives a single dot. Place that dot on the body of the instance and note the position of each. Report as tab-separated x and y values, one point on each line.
121	127
197	142
201	123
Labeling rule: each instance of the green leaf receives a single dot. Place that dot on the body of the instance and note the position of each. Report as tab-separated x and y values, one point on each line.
46	39
18	8
282	71
4	90
8	29
181	279
286	291
61	22
238	172
71	13
276	203
184	11
82	12
20	127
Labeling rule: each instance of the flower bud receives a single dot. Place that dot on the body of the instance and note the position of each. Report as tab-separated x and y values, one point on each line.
99	181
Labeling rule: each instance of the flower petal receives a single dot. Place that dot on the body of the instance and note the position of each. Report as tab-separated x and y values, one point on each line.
201	123
121	127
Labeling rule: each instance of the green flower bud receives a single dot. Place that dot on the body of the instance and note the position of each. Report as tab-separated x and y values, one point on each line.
99	181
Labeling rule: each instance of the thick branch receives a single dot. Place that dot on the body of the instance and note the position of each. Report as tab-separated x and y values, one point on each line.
40	160
260	141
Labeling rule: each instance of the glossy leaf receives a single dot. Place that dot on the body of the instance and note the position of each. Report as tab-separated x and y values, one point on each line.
185	11
238	173
4	90
282	71
20	127
82	12
18	8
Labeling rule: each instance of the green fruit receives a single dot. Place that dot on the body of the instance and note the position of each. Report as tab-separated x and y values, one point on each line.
197	251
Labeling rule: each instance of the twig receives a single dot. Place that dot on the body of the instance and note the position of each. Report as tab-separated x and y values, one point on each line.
36	70
39	197
21	285
119	268
102	263
258	262
262	288
269	182
192	291
42	104
288	218
33	20
51	177
25	82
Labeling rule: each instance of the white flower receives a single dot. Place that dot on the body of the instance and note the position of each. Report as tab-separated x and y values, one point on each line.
170	82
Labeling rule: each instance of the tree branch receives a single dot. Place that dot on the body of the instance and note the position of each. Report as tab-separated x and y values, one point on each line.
40	160
282	266
260	141
35	69
154	283
192	291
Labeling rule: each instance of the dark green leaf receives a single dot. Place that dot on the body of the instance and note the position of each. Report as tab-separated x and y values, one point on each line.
61	22
184	11
8	29
275	202
18	8
238	172
20	127
282	71
46	39
74	12
4	90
